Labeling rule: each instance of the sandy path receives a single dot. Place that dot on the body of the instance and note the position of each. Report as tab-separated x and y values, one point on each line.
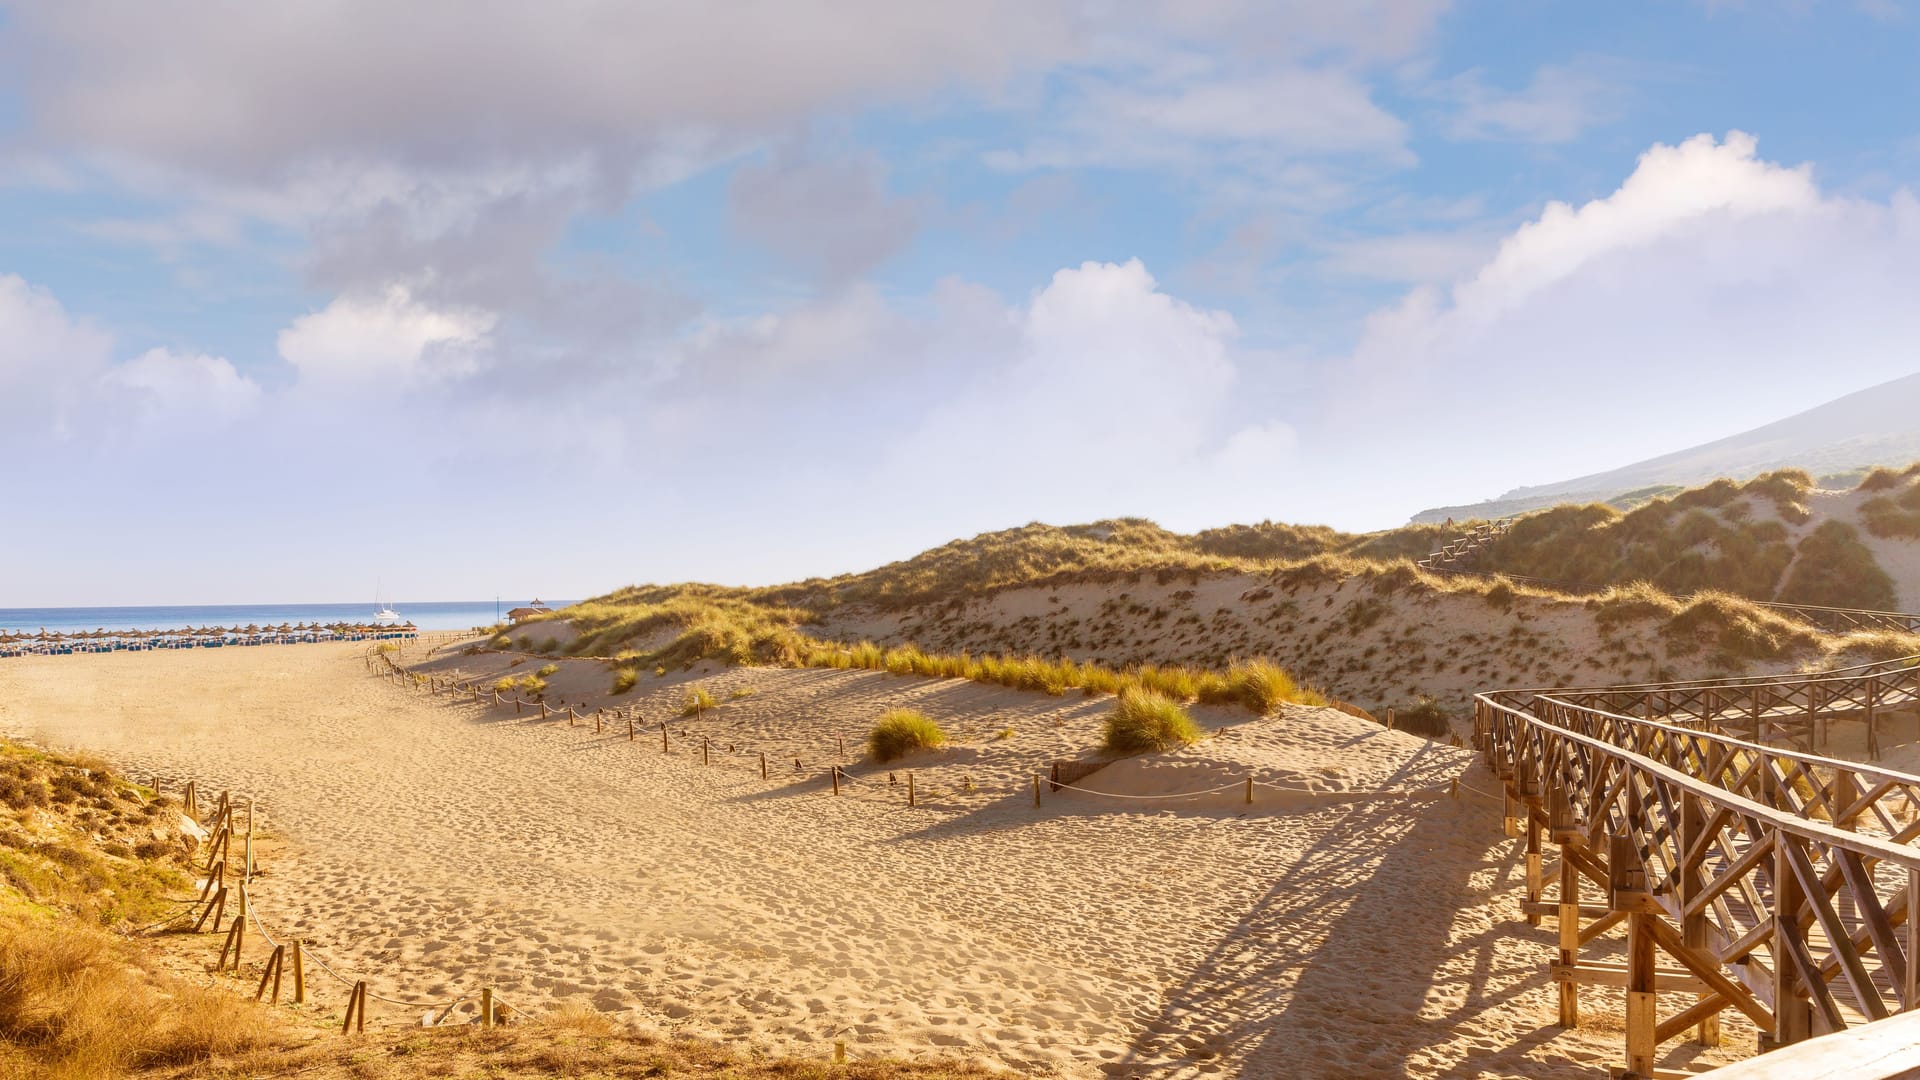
442	847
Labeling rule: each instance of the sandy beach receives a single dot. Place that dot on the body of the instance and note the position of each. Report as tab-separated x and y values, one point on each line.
432	848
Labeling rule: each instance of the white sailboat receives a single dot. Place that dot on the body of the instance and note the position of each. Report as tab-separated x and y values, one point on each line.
384	615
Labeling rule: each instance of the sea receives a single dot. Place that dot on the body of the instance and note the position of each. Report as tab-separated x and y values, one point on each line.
427	615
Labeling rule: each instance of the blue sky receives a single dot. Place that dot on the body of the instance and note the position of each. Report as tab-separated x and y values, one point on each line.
493	297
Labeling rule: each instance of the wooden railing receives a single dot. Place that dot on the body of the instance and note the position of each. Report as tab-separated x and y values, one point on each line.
1775	881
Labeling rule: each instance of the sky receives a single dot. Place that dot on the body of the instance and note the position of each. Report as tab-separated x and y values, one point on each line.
484	297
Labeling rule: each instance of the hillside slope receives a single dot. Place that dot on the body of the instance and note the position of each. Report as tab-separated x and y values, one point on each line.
1874	426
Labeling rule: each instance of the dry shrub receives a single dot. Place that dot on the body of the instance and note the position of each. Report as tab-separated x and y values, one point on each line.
1143	720
901	732
77	1003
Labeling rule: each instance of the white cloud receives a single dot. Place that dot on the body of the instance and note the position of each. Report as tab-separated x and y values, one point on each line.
59	380
187	384
1114	396
1711	285
387	339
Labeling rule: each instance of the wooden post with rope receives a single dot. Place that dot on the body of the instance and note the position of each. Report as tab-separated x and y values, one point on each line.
1036	789
836	779
910	800
486	1008
275	962
663	738
299	974
356	1019
763	764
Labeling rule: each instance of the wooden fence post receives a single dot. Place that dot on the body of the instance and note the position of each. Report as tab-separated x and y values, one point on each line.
1036	789
763	764
356	1020
704	759
299	974
486	1008
836	779
910	800
275	961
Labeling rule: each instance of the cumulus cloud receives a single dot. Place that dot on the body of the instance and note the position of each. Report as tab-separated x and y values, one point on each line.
59	380
1712	283
1114	394
388	339
191	385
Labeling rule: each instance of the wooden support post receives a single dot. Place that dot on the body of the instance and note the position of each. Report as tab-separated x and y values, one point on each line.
839	1052
836	779
1693	928
299	974
1873	729
1641	1018
1249	791
516	705
663	737
1792	1005
763	765
1569	920
486	1008
1036	789
705	759
247	870
1911	990
1509	823
910	800
1392	721
1535	879
596	721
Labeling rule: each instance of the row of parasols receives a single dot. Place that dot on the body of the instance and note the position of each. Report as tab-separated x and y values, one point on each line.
14	643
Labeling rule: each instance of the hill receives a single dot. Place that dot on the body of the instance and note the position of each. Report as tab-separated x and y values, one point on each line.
1349	616
1845	436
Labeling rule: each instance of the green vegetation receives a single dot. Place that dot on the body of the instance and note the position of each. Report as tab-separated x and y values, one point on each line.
901	732
1835	569
547	670
1143	720
625	679
700	701
741	694
505	685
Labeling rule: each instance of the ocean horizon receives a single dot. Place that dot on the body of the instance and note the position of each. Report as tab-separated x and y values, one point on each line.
427	615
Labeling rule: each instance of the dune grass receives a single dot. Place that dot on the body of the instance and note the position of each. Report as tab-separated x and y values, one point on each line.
625	679
1143	720
700	701
900	732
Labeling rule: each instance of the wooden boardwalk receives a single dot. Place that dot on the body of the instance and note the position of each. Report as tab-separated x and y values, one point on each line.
1746	870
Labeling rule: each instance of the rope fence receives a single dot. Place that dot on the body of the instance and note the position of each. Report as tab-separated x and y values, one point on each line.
839	779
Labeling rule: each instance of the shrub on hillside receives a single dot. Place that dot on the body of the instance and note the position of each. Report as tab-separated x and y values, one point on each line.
1424	716
699	700
1836	569
1143	720
625	679
901	732
547	670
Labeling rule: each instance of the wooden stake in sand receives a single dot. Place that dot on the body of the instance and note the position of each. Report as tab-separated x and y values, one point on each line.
763	765
1036	789
356	1020
663	738
630	729
299	974
1249	791
910	803
704	759
486	1008
275	961
836	779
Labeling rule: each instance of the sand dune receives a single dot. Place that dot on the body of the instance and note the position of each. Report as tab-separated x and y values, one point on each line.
433	848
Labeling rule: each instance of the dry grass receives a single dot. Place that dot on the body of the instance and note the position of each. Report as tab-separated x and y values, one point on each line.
1143	720
901	732
75	1002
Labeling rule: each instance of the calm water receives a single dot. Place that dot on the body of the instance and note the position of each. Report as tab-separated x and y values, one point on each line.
443	615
